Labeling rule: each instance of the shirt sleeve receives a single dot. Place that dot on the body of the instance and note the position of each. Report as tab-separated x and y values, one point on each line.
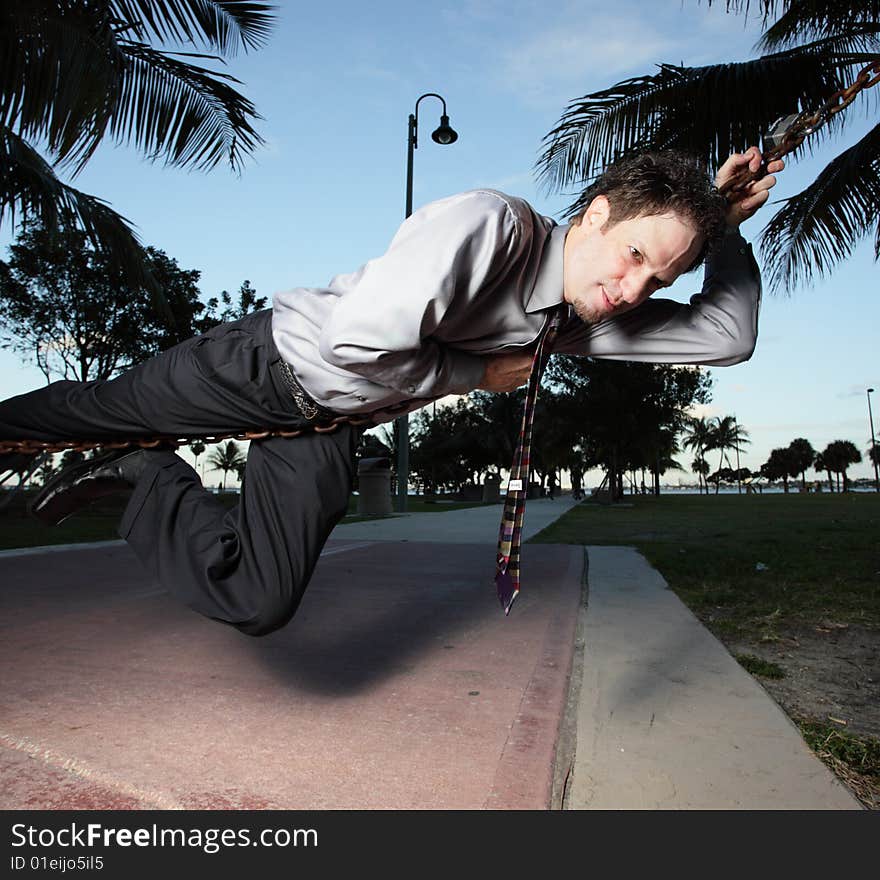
440	259
718	327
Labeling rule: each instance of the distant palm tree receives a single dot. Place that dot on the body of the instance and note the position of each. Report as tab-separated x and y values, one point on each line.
838	456
813	49
73	73
727	434
803	456
699	436
820	465
197	447
701	468
228	457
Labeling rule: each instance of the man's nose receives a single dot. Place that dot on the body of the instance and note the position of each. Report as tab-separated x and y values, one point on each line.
633	288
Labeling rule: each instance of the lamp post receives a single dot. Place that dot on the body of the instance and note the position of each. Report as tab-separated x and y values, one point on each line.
444	135
739	487
873	441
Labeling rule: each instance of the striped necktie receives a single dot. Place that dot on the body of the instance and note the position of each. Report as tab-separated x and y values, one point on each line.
510	538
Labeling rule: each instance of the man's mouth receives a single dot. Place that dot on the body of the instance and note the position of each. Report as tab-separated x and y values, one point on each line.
608	304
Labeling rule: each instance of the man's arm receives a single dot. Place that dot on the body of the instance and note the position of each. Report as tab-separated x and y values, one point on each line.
439	260
719	326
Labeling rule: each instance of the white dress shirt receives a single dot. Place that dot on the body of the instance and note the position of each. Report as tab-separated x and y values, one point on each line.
476	274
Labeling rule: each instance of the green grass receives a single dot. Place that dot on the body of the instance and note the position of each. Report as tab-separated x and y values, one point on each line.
855	759
748	564
860	753
757	666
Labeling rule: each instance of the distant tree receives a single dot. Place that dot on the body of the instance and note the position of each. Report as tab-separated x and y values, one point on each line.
838	456
226	457
67	307
802	456
71	457
722	475
727	434
874	458
197	447
821	465
701	468
452	448
75	73
247	303
622	413
781	465
699	436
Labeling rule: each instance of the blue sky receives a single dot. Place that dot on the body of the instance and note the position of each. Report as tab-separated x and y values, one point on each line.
336	85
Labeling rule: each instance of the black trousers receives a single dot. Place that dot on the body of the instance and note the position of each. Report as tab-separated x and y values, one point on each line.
247	566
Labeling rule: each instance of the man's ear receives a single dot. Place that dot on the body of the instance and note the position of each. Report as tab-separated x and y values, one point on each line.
597	213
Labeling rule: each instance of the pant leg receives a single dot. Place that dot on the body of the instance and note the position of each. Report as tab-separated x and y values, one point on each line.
222	381
248	566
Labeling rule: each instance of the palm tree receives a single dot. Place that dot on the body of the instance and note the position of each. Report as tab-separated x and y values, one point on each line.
803	455
821	465
197	447
726	434
813	49
838	456
228	457
73	73
782	464
699	436
701	468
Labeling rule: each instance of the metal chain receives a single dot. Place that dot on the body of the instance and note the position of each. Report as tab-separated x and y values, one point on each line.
33	447
798	126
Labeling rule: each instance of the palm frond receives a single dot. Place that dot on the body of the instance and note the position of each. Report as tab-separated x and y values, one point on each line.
57	74
70	75
708	111
188	114
820	226
817	19
28	185
224	25
767	7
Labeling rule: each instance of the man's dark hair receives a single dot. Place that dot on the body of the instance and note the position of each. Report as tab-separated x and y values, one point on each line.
660	183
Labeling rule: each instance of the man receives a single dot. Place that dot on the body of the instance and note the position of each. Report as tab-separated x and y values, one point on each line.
458	302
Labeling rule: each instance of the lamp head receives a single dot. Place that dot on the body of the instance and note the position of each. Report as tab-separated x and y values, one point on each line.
445	134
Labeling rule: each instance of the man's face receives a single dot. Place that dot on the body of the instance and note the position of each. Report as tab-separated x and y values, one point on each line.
610	269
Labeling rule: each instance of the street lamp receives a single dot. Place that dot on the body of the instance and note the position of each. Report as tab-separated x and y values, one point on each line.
873	441
739	487
444	135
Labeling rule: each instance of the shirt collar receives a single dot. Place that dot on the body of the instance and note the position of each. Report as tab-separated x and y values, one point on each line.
547	291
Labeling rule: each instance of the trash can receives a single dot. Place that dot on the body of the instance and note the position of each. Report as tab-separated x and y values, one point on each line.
492	488
374	487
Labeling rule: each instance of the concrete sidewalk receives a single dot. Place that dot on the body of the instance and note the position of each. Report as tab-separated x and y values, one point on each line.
399	684
667	719
471	525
